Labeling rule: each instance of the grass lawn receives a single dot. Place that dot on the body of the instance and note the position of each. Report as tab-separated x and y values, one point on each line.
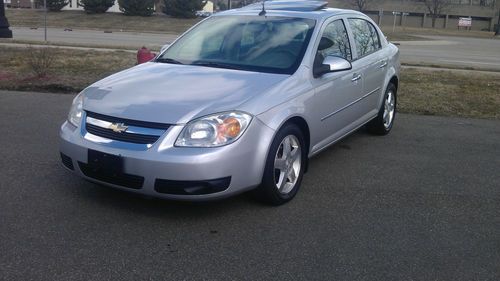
110	21
431	92
72	70
450	93
413	33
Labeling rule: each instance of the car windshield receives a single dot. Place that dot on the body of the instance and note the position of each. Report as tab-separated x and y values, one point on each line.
251	43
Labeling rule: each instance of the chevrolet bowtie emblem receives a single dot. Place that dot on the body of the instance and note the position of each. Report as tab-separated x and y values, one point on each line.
118	127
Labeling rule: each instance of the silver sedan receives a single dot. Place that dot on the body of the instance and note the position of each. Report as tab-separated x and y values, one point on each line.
239	102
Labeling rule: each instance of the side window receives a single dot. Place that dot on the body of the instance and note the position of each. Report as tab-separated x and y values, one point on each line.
337	32
365	35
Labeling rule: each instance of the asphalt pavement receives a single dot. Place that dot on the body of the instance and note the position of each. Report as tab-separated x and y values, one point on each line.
422	203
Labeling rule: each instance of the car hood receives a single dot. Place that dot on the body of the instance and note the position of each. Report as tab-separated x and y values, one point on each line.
174	94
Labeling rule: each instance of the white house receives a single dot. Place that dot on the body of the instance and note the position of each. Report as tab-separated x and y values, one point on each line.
73	5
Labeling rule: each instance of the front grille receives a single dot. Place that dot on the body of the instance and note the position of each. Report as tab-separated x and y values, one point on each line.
126	137
137	138
129	122
109	176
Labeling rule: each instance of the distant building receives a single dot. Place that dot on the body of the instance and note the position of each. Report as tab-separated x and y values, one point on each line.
484	13
18	3
74	5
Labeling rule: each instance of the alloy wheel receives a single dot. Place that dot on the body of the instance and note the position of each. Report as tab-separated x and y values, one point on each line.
389	109
287	164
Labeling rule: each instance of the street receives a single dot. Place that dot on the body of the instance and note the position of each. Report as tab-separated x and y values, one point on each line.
475	53
94	37
422	203
432	50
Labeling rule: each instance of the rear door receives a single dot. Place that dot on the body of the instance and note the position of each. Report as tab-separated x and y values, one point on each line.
370	62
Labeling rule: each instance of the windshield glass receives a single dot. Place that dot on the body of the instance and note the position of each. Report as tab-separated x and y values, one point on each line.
252	43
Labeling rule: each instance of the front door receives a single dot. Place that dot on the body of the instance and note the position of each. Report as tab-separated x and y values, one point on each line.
336	93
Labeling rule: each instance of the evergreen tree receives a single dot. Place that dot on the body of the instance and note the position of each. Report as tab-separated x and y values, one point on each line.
183	8
96	6
143	8
54	5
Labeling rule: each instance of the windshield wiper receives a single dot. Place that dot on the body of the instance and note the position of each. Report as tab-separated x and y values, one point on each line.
168	60
216	64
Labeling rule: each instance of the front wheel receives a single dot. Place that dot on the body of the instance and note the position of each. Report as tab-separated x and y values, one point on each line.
284	167
382	124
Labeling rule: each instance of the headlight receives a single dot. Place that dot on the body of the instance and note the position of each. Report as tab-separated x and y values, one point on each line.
76	111
214	130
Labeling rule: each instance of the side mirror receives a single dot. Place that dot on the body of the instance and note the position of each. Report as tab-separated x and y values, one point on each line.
331	64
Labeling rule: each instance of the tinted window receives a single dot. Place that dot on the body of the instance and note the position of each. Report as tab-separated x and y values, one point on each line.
365	37
337	32
254	43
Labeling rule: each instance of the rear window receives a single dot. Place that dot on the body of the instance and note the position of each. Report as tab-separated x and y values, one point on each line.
366	37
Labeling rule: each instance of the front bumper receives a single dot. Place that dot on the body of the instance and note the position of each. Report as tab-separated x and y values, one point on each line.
163	164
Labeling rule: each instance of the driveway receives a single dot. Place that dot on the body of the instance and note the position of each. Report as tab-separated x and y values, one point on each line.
420	204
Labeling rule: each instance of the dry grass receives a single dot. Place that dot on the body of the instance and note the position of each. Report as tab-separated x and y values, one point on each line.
109	21
41	60
153	47
72	70
422	91
450	93
397	36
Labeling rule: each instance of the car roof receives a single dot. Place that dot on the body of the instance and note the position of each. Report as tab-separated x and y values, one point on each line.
291	8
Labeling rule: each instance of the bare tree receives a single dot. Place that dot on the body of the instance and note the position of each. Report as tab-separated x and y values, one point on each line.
436	8
360	4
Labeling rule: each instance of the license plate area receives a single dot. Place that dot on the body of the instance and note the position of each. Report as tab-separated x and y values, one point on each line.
104	161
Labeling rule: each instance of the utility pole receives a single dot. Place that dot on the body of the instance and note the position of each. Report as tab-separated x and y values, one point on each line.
5	32
45	18
497	32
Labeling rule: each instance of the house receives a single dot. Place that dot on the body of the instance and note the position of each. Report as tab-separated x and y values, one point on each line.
73	5
484	13
18	3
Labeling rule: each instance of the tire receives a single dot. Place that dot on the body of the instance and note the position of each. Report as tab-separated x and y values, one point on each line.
283	174
382	124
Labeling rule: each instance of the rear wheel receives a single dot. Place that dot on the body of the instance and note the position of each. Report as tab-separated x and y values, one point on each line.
284	167
384	121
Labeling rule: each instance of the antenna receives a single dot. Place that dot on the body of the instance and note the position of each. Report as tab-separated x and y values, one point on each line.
263	12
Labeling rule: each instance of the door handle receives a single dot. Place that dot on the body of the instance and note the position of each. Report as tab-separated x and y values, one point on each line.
383	64
355	77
